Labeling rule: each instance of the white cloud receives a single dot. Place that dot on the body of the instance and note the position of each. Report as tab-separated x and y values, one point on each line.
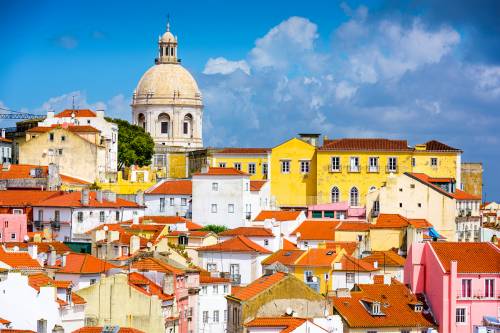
223	66
487	79
66	41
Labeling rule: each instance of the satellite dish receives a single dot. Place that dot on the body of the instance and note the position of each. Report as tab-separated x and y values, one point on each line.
289	311
26	238
105	228
315	279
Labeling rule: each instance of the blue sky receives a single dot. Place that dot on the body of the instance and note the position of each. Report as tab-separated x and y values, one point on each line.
415	70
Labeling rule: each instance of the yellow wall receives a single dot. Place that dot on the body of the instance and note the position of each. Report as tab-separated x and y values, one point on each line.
124	186
293	188
349	236
244	160
319	272
363	180
177	165
447	163
386	239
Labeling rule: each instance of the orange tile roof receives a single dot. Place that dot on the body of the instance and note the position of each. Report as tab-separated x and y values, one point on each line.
351	264
152	219
425	179
73	199
461	195
24	198
349	247
419	223
385	258
71	128
5	140
316	258
470	257
155	264
317	230
42	247
397	313
172	187
256	185
78	113
243	151
146	286
41	279
287	324
4	321
236	244
11	330
435	145
285	257
258	286
288	245
390	221
18	260
96	329
278	215
190	233
21	171
248	232
82	263
212	171
207	278
354	226
366	145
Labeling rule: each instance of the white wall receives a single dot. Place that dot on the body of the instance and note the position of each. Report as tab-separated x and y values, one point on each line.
338	279
209	301
79	281
152	202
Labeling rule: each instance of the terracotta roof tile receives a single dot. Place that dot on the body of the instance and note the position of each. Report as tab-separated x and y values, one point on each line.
258	286
96	329
155	264
278	215
243	151
17	198
397	313
236	244
248	232
354	226
385	259
18	260
390	221
146	286
256	185
78	113
435	145
4	321
82	263
419	223
71	128
172	187
73	199
314	257
357	144
42	247
212	171
461	195
287	324
349	247
317	230
351	264
425	179
11	330
22	171
288	245
470	257
285	257
207	278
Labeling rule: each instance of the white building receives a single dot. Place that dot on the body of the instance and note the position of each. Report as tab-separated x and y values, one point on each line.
223	196
285	221
212	304
5	149
33	302
85	117
169	198
70	215
237	258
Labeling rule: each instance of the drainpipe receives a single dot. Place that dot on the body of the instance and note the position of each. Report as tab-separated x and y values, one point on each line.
453	295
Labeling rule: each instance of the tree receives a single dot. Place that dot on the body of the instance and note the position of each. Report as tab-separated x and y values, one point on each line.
215	228
135	146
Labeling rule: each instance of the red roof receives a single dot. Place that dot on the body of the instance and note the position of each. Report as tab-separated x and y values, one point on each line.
349	247
18	260
435	145
73	199
285	257
236	244
287	324
18	198
317	257
385	259
258	286
96	329
172	187
288	245
390	221
470	257
5	140
78	113
366	145
351	264
248	232
317	230
461	195
243	151
426	180
11	330
212	171
419	223
36	281
278	215
4	321
354	226
256	185
22	171
146	286
82	263
155	264
42	247
207	278
71	128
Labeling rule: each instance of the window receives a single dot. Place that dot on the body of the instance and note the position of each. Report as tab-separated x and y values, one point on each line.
392	164
419	205
285	166
266	242
51	136
230	208
376	207
92	281
17	211
216	316
308	276
354	197
225	315
63	138
237	166
335	194
172	201
434	162
205	317
304	166
59	152
183	201
222	165
215	186
204	290
373	164
13	235
6	224
117	216
251	168
214	208
40	215
405	331
264	168
215	289
79	216
354	164
162	204
57	215
460	315
212	267
101	216
335	166
164	127
466	288
413	162
376	308
349	277
226	289
185	128
183	240
400	205
489	288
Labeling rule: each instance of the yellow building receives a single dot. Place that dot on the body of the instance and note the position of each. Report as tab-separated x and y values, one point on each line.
254	161
293	172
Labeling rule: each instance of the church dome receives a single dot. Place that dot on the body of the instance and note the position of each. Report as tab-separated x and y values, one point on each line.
168	37
167	83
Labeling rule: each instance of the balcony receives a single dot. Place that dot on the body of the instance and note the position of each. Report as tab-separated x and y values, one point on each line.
38	224
334	168
56	225
372	169
478	294
354	168
248	215
235	279
391	168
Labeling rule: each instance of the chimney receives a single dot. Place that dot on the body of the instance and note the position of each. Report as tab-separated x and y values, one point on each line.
58	329
54	181
33	251
98	195
64	259
134	244
99	113
41	325
50	114
85	197
139	198
3	133
204	169
52	256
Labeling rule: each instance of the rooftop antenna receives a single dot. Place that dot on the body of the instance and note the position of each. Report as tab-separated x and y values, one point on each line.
73	102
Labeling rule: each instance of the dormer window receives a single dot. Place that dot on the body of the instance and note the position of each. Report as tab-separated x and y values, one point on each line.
376	309
418	308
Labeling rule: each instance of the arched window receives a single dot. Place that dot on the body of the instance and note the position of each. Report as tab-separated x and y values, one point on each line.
164	121
372	188
335	194
187	126
141	121
354	197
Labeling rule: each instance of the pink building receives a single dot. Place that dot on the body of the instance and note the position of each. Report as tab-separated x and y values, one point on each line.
12	227
460	281
336	210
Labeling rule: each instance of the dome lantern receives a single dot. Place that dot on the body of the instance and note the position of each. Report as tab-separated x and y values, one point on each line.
167	47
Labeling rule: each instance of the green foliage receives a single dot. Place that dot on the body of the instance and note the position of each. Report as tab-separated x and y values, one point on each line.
215	228
135	146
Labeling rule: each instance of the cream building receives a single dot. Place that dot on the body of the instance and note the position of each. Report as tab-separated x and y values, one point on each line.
168	105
